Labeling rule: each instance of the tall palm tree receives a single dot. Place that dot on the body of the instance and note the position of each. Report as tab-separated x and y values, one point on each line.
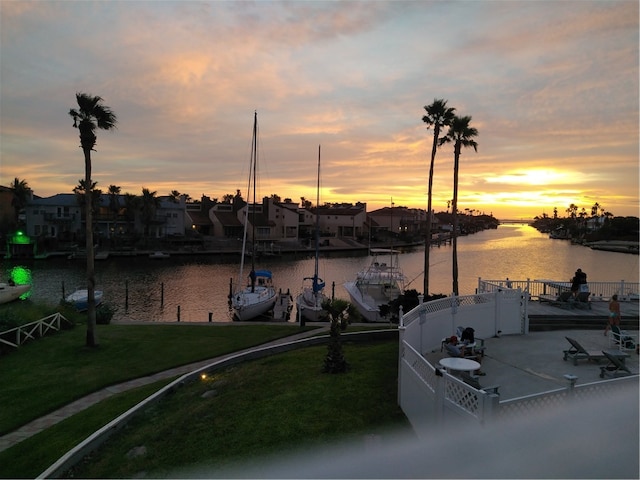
131	204
21	193
91	114
80	191
438	116
461	135
149	203
572	210
114	207
174	196
114	203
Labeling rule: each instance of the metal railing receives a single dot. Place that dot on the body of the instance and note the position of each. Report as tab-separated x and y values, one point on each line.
600	291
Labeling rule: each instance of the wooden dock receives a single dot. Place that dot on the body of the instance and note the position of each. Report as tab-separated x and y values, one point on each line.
545	316
283	306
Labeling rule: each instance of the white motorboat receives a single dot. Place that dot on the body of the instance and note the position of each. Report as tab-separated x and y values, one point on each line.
309	301
9	292
259	296
378	285
159	255
80	299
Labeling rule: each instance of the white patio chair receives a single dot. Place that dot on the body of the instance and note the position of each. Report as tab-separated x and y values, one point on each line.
623	339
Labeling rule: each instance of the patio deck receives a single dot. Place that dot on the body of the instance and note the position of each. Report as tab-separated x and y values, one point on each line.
529	364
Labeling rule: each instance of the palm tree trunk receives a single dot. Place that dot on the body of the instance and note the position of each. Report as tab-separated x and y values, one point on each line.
454	206
427	241
91	340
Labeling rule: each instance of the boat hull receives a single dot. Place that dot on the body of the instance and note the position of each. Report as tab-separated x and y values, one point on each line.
9	293
616	246
80	299
309	306
365	304
248	305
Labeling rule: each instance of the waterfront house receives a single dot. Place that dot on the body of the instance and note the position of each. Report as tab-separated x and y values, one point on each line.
7	212
284	216
57	217
60	218
402	220
342	219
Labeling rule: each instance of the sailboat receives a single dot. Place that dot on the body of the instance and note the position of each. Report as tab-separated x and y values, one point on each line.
259	295
309	302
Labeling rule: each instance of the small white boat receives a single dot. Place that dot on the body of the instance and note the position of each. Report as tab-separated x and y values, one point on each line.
79	299
9	293
381	283
159	255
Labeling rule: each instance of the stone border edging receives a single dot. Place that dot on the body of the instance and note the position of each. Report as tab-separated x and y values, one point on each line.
97	438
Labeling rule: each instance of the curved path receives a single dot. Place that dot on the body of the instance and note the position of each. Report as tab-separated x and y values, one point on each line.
42	423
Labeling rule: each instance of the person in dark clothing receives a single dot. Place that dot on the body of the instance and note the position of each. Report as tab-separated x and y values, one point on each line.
579	278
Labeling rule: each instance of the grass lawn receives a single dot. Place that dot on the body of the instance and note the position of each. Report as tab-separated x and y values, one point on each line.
34	455
259	408
45	374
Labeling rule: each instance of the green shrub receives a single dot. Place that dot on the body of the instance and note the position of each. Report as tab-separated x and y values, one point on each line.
104	313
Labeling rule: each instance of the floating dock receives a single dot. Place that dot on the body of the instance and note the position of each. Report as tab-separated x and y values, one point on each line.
283	306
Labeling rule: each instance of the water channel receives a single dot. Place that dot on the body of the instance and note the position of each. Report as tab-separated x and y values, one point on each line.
199	284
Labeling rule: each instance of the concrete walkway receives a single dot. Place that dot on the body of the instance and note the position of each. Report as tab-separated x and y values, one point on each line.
42	423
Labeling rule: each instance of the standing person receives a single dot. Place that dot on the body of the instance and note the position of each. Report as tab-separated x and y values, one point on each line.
614	314
579	278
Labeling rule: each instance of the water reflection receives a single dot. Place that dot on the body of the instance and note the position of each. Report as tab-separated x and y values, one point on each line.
199	285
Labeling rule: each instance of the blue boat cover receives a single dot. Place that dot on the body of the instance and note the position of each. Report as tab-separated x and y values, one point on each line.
263	273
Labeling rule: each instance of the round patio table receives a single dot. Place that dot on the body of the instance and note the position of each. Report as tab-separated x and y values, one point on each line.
460	364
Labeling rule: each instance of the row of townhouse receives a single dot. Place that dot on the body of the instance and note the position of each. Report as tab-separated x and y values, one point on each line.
61	217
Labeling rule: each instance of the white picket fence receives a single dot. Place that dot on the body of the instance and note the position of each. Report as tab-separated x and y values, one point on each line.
31	331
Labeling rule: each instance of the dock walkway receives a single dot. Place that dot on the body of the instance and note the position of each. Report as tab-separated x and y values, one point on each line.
545	316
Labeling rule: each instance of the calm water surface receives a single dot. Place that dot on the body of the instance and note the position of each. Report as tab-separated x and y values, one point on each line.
200	285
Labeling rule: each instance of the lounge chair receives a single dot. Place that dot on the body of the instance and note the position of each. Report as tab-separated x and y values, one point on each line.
615	368
622	339
563	300
582	300
578	352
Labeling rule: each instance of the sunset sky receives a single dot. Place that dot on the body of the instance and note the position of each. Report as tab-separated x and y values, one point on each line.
551	86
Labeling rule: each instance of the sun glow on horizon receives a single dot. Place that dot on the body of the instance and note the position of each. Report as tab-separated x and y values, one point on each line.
540	176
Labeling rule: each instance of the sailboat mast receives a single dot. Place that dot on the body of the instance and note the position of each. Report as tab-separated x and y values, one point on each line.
255	161
315	274
392	233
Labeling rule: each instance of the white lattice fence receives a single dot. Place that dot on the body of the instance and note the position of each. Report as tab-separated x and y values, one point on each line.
524	406
463	398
